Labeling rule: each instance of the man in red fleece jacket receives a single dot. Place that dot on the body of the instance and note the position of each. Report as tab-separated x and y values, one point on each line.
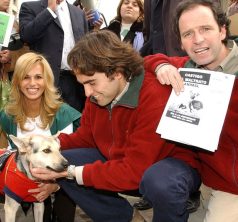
203	32
117	140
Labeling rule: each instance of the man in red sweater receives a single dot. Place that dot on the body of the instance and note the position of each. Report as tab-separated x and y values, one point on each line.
203	32
117	140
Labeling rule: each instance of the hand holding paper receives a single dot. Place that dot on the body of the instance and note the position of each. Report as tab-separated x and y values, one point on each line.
196	116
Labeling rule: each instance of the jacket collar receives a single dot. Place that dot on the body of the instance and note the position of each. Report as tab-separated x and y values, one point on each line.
115	26
131	98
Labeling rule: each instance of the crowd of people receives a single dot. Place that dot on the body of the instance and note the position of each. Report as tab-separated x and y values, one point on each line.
105	90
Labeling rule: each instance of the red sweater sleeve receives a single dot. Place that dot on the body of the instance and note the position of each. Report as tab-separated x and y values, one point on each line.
126	136
152	61
83	136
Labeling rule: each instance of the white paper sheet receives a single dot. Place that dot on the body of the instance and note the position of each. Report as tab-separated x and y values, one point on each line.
196	116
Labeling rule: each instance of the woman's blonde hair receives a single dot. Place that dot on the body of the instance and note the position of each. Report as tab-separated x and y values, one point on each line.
141	7
50	101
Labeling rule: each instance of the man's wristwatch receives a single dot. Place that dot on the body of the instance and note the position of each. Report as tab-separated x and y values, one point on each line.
71	172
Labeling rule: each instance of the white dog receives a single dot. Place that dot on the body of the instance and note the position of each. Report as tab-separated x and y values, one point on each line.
16	179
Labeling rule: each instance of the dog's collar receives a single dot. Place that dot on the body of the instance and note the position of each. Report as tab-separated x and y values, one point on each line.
19	163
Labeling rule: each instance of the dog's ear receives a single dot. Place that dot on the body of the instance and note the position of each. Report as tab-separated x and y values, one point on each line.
56	135
21	143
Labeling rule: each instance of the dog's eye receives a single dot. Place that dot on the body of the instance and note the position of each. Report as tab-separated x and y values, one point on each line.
46	150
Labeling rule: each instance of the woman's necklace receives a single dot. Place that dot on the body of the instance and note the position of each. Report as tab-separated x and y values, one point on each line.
32	123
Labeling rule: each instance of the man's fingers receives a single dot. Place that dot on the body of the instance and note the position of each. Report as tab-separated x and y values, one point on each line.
169	75
162	76
40	197
180	82
164	72
177	82
37	190
169	78
174	84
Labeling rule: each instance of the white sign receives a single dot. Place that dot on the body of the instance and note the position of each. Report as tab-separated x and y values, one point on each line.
196	116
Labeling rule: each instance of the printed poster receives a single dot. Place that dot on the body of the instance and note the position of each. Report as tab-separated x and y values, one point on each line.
196	116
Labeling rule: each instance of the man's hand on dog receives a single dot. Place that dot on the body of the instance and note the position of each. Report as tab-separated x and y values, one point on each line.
46	174
44	190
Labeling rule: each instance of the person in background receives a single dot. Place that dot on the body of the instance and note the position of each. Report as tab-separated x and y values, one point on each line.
203	30
157	28
128	23
5	56
8	57
52	27
35	107
95	25
16	47
117	140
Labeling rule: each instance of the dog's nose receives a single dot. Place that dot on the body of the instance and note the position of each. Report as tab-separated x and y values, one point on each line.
65	164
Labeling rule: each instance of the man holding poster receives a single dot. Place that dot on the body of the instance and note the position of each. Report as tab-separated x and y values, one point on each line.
203	31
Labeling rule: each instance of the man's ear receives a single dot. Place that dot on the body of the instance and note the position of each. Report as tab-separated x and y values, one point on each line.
118	75
223	32
21	143
56	135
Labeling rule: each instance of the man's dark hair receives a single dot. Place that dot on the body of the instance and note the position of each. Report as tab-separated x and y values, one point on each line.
216	9
103	51
78	3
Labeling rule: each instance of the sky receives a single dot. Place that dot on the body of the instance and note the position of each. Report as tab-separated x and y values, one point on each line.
108	8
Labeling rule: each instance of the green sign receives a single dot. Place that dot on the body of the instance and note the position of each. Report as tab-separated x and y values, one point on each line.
6	24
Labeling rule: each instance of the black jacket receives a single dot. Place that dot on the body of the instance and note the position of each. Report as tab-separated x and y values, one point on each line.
115	26
44	34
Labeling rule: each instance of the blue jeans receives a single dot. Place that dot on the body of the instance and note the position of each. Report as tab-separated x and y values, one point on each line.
99	205
167	185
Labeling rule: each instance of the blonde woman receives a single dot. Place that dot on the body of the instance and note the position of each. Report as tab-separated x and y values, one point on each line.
35	107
